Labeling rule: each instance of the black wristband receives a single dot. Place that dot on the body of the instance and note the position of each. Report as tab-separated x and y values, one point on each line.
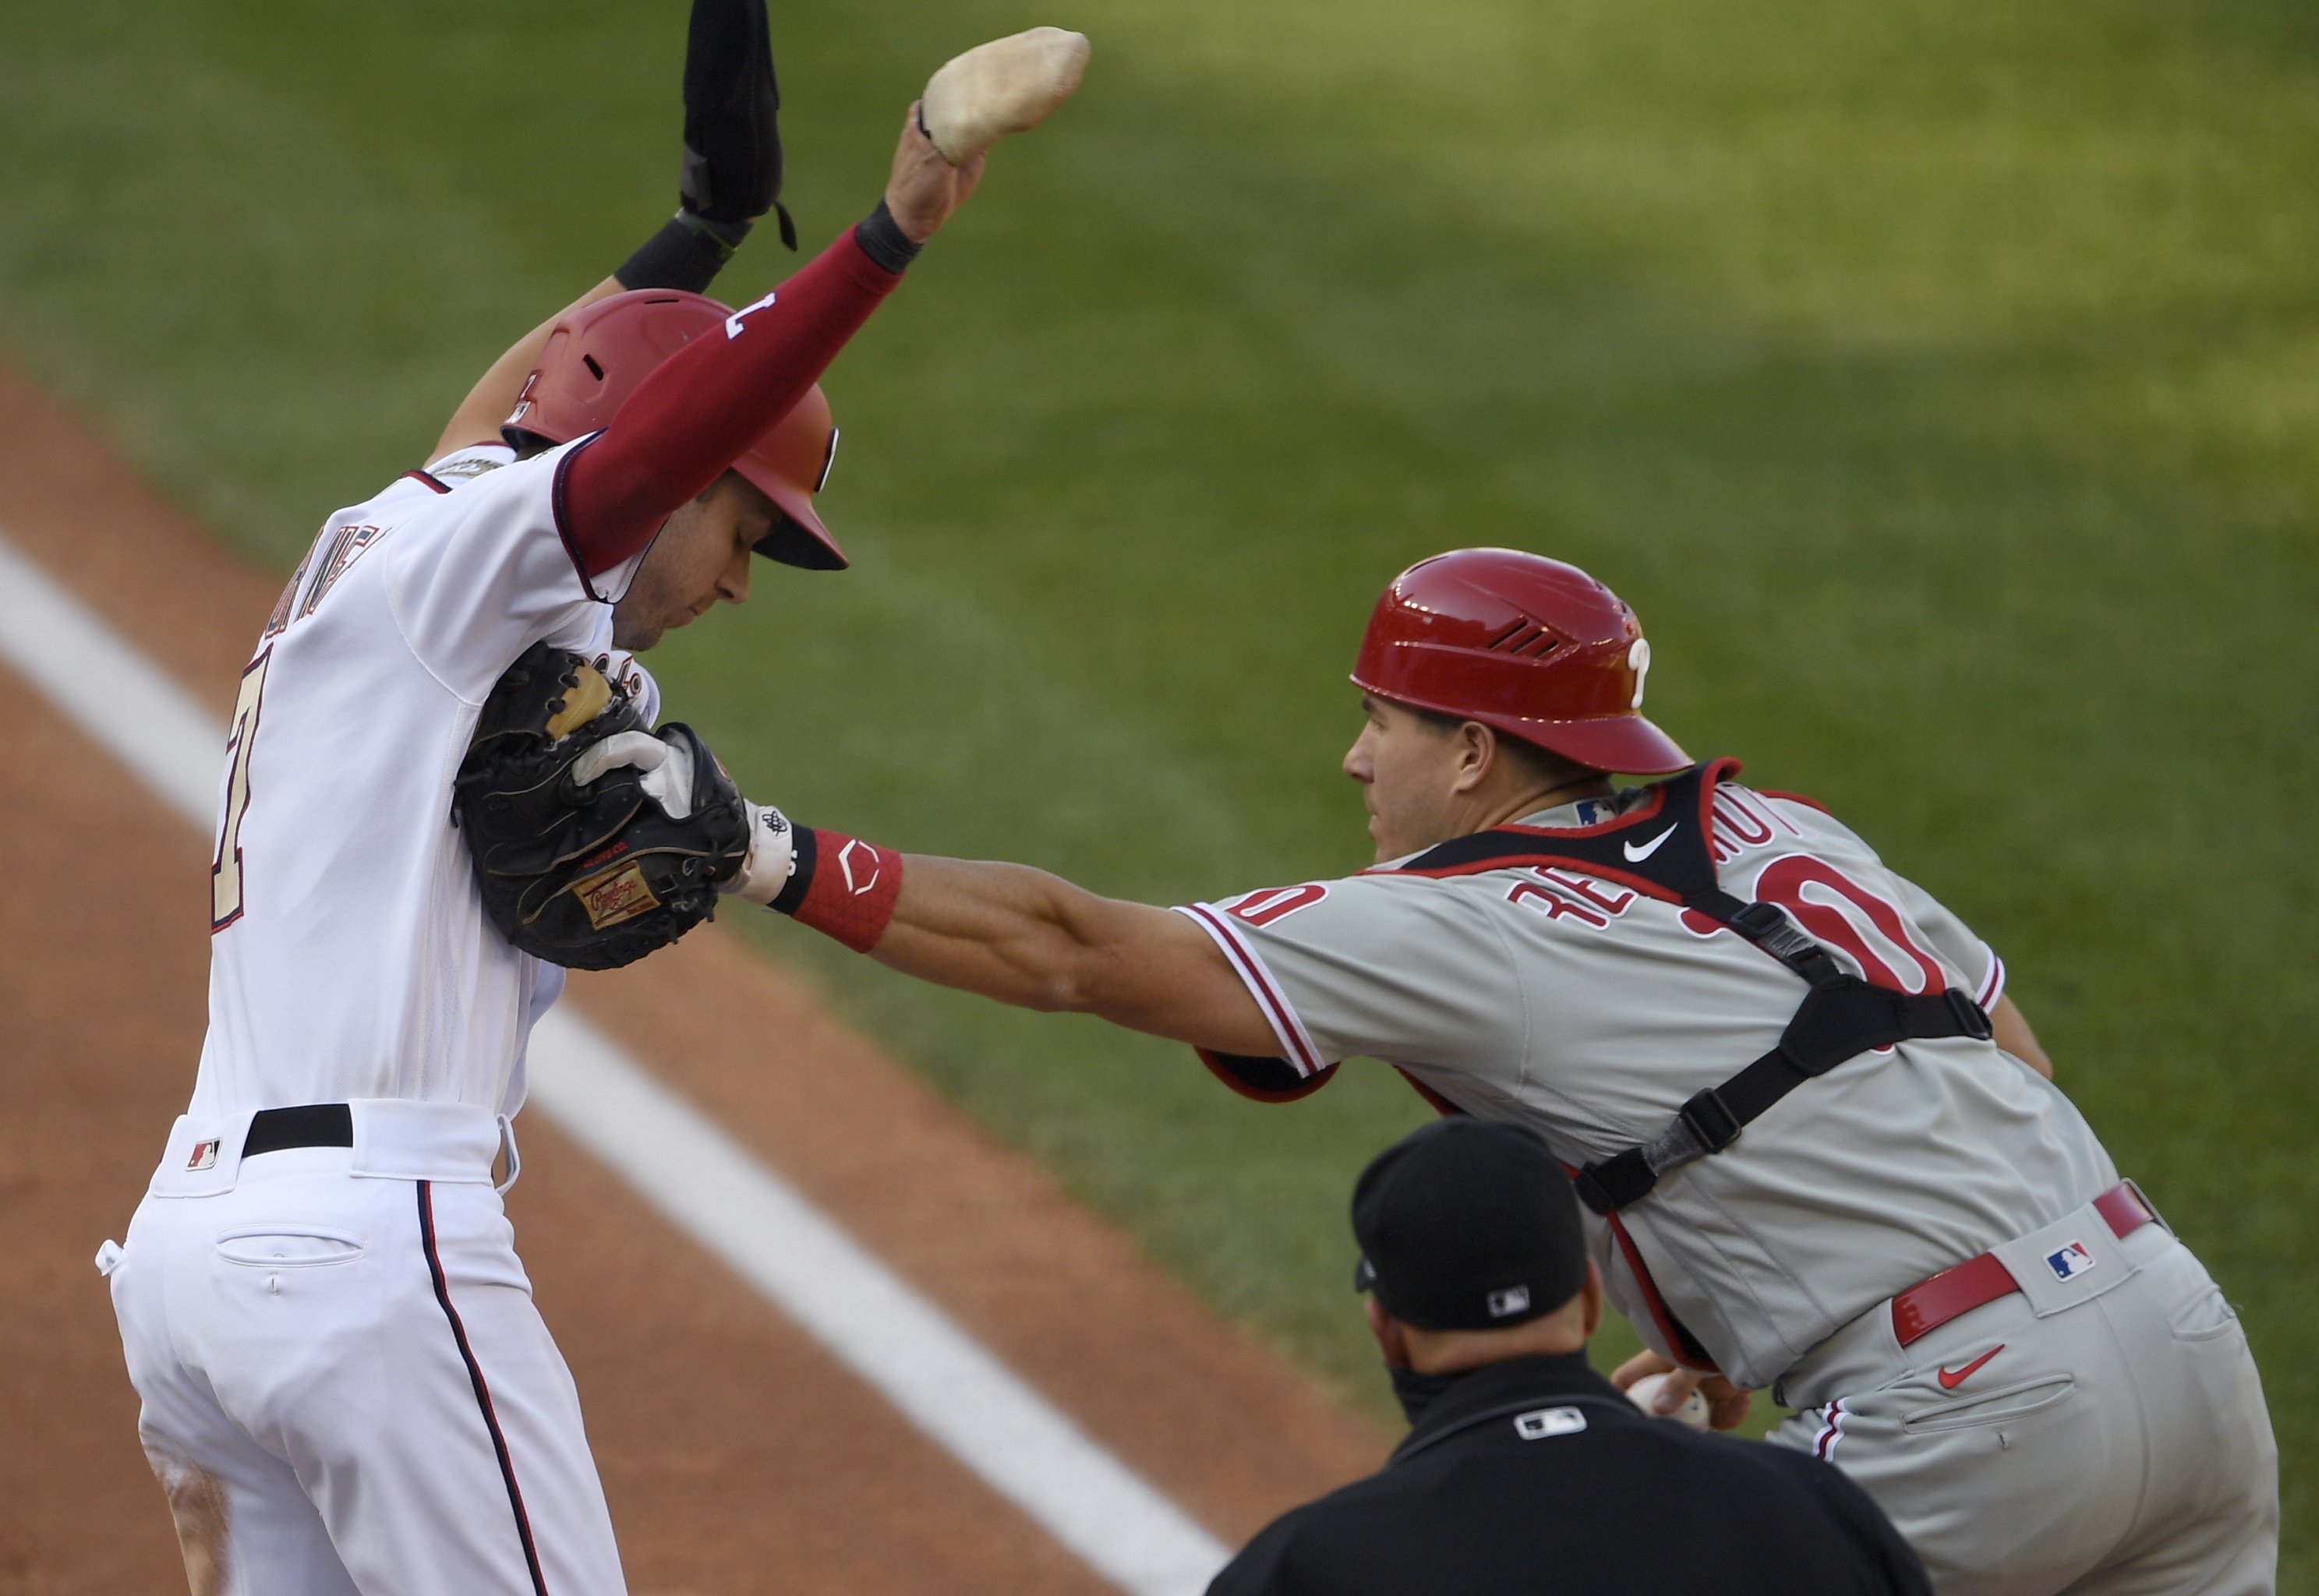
882	239
687	253
803	855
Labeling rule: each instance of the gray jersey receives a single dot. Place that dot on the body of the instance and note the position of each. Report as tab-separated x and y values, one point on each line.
1592	1011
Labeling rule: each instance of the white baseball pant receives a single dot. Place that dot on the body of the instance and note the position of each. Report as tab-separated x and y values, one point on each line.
346	1386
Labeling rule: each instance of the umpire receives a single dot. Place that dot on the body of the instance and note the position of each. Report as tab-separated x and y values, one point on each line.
1524	1470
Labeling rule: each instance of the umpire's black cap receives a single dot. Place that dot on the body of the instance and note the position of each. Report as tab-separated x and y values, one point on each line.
1467	1224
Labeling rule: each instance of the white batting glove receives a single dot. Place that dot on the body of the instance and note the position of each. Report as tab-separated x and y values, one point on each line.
772	855
665	773
666	768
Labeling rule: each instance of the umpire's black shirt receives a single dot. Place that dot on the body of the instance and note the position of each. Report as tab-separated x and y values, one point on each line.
1604	1498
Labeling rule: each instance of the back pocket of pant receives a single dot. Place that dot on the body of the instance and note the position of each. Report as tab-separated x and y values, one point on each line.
2204	1317
288	1246
2006	1402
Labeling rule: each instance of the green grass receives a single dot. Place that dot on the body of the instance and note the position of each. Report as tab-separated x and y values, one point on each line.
1940	382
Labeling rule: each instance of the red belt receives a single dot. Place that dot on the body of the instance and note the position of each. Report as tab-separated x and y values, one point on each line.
1923	1309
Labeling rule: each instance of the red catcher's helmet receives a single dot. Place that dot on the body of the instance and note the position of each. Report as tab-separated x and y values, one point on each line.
1526	645
597	356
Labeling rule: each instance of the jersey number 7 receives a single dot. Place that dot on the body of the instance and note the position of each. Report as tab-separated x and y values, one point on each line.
225	864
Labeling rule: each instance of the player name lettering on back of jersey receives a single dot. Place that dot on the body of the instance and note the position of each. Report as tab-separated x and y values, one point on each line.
1562	895
338	548
279	621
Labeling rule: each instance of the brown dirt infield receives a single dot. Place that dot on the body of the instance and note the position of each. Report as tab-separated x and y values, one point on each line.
738	1455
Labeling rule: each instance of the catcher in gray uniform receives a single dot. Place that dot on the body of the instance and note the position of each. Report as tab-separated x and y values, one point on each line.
1821	1150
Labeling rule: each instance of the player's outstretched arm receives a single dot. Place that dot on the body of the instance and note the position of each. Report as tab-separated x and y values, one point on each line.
1032	939
703	406
1021	935
731	176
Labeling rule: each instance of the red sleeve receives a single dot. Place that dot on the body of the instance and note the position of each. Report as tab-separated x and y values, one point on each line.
702	407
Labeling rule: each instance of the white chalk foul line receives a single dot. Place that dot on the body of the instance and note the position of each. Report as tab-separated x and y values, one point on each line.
680	1162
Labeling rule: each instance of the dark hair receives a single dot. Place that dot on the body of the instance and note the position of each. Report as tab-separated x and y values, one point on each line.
1541	766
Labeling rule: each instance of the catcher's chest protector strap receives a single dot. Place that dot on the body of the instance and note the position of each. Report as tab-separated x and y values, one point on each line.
1662	849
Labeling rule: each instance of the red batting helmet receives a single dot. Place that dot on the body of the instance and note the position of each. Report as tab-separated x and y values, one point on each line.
597	356
1530	646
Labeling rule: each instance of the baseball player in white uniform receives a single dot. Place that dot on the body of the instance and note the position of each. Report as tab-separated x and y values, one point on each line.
346	1386
1820	1149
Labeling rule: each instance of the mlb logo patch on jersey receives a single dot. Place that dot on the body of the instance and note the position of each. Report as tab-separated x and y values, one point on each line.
1542	1422
2071	1262
205	1156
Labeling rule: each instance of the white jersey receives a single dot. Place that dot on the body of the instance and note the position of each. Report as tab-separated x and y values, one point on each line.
1592	1011
350	957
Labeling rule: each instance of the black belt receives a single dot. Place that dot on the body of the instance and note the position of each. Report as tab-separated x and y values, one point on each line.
317	1124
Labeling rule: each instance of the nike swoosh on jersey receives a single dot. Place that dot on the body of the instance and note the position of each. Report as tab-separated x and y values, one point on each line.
1637	855
1953	1378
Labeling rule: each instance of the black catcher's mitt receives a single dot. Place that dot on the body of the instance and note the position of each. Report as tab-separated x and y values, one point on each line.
597	876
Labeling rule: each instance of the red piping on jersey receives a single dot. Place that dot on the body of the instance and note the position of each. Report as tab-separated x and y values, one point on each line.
701	408
1650	810
1992	985
1681	1345
1717	772
429	479
1251	971
1795	797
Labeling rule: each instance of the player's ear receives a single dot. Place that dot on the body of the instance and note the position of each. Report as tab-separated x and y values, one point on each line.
1591	1294
1477	752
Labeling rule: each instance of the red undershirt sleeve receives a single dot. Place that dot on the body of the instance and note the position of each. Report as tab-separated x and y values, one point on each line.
701	409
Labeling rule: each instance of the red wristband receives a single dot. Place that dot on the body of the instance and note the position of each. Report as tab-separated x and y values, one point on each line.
851	887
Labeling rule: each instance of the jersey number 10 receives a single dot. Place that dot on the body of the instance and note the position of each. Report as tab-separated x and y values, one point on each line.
225	865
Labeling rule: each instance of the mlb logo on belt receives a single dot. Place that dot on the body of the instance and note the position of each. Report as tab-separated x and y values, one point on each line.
205	1156
2071	1262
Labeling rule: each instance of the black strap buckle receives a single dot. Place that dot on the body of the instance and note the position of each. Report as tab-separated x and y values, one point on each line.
1593	1193
1972	1020
1610	1183
1767	926
1709	1118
